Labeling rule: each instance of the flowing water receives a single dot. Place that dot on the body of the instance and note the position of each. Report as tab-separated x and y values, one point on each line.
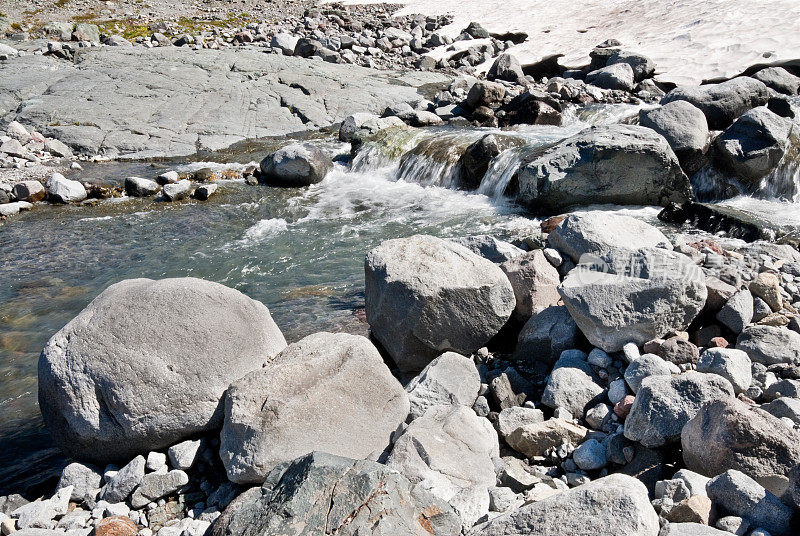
299	251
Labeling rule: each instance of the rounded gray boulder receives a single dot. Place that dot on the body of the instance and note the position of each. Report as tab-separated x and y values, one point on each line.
295	165
146	363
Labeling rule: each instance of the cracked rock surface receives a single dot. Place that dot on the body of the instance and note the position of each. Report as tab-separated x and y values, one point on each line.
167	102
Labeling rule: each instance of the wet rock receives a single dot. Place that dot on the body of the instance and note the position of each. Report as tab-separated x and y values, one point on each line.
476	158
30	191
722	103
295	165
604	296
736	493
327	392
754	144
449	379
139	187
618	76
617	164
177	191
203	192
770	345
425	295
664	404
729	434
546	335
534	281
616	504
320	491
447	449
597	233
685	128
779	79
139	388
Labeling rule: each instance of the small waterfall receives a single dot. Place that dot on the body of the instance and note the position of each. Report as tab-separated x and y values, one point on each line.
784	182
386	148
501	170
435	160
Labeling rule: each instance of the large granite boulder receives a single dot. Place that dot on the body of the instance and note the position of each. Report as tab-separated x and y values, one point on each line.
296	164
425	295
618	76
684	126
616	164
146	363
622	297
616	504
729	434
722	103
62	190
754	144
664	404
449	379
447	449
598	232
327	392
325	494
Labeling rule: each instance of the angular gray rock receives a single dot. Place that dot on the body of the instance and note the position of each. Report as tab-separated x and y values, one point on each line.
122	484
327	392
590	455
425	295
139	187
784	407
177	191
295	165
515	417
62	190
489	247
733	365
535	282
206	100
184	454
644	367
684	127
286	42
779	79
598	232
754	144
737	494
665	404
618	76
737	312
691	529
117	381
572	386
446	450
83	478
642	66
204	191
770	345
722	103
325	494
156	485
616	504
620	298
449	379
546	335
506	67
617	164
729	434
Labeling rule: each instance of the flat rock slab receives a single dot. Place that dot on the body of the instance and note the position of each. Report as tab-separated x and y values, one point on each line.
168	102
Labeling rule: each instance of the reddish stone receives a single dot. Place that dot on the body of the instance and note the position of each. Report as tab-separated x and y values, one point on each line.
718	342
623	407
550	224
115	526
